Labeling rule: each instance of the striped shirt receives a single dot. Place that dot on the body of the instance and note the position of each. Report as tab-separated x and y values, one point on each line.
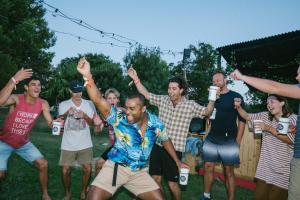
276	155
177	119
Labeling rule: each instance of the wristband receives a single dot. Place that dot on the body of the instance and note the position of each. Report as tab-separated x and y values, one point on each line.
136	81
15	82
88	82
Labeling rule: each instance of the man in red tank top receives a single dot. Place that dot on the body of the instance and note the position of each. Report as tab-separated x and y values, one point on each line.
18	123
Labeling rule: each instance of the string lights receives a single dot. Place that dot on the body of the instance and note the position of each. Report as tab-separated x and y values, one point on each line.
126	42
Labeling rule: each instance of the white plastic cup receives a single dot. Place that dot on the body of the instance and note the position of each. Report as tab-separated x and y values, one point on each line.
212	96
283	125
257	130
56	128
250	126
213	114
184	176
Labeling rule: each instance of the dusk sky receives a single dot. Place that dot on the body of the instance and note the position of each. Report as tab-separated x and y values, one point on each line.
170	25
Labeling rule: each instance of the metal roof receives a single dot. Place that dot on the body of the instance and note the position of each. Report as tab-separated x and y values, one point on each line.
277	52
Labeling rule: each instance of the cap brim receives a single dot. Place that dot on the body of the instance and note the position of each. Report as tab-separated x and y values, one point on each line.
77	90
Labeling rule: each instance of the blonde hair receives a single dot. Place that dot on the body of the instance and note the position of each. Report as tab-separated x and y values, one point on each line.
112	90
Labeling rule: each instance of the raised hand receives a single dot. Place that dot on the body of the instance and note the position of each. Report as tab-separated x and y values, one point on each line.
236	74
132	74
23	74
83	67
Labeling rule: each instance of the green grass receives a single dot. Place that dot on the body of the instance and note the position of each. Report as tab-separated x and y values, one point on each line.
21	182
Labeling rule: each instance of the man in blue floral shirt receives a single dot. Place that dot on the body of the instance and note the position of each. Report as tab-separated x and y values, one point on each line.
136	132
132	147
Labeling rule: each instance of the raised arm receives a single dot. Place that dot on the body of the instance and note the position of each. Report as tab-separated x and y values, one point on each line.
101	104
5	94
140	87
241	111
268	86
46	113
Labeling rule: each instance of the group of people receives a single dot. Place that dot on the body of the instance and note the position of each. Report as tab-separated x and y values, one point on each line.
145	148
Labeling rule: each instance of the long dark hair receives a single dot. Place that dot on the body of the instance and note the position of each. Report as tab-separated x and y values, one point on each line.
286	110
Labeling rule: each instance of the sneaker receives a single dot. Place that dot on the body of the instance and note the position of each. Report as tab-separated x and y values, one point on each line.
205	198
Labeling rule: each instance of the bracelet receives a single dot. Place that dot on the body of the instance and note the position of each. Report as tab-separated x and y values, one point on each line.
88	82
137	81
15	82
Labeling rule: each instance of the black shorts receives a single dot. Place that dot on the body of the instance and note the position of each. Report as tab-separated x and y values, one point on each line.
162	164
104	155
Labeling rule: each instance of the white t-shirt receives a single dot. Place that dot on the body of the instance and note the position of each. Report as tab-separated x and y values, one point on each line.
77	134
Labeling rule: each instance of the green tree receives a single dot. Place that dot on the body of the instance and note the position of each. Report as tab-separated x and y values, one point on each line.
199	69
105	72
152	70
257	99
24	38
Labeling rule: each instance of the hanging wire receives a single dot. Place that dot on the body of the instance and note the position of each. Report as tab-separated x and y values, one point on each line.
119	38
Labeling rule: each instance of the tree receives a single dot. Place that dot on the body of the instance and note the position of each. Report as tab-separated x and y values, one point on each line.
105	72
24	38
199	71
257	100
151	69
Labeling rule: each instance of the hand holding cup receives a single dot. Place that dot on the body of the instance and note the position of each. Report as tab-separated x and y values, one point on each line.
214	92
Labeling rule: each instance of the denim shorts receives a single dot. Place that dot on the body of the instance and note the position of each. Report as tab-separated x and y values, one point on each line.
28	152
227	152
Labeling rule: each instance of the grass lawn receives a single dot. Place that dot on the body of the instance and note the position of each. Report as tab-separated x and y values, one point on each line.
21	182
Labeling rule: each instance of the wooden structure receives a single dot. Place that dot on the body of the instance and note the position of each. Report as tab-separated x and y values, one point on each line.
249	155
276	57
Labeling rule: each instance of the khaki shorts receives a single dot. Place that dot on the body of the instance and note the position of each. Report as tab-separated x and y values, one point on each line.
70	158
137	182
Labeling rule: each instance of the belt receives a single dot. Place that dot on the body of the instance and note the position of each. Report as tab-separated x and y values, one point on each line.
115	173
114	180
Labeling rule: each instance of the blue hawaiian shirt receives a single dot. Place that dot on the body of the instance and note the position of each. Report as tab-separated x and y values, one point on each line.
131	149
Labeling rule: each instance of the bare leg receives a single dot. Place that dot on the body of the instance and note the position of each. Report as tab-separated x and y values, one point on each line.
96	193
152	195
175	190
66	179
209	168
99	164
158	181
42	165
87	168
229	181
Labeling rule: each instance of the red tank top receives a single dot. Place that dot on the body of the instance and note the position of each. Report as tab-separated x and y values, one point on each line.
17	124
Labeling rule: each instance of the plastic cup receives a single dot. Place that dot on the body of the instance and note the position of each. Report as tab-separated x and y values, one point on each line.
283	125
213	114
184	176
257	130
56	128
212	96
